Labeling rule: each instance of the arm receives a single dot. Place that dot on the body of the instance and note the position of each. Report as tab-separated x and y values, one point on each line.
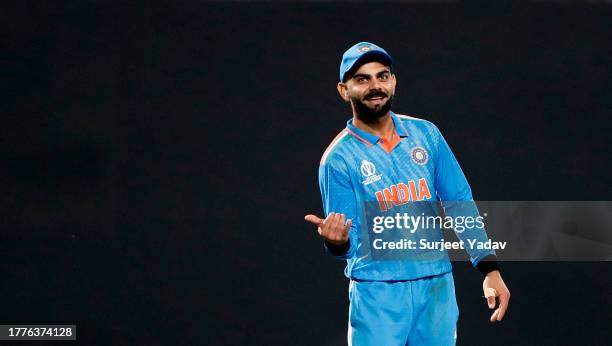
340	207
456	196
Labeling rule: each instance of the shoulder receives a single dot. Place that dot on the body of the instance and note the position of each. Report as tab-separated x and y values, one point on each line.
409	120
333	152
419	126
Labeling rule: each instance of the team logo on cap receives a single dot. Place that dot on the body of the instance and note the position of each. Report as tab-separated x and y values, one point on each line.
368	170
419	155
364	49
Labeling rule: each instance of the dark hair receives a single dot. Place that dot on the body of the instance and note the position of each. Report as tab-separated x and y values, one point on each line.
370	58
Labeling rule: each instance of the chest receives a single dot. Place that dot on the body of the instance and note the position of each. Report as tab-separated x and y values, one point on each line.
405	174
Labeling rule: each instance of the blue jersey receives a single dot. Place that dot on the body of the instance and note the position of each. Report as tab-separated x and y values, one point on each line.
415	165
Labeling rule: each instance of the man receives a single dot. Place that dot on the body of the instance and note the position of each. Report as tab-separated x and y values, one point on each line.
390	160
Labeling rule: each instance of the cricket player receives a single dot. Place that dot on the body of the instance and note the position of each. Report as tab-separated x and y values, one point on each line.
392	159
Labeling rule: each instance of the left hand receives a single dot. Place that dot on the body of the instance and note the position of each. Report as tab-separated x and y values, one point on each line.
494	286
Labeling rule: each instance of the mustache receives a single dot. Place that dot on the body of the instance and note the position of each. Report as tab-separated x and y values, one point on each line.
375	93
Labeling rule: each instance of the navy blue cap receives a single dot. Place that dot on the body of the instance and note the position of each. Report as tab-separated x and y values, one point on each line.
359	52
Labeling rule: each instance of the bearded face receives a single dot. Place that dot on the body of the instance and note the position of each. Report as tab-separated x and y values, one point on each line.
370	91
374	106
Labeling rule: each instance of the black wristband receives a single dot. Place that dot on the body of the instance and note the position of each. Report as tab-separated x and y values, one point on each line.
487	265
338	250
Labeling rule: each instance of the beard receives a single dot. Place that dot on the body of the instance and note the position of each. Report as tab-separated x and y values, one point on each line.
368	114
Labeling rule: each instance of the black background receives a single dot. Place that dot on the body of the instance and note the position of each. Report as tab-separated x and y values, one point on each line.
158	160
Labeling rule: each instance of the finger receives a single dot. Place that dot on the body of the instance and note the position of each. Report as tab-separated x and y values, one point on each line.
493	318
329	219
503	305
340	225
490	294
491	302
326	225
342	230
333	221
500	312
347	227
337	227
338	219
313	219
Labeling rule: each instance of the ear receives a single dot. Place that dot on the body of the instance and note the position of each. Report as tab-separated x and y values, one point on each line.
343	91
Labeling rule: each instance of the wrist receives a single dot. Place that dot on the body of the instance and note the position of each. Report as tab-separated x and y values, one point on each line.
338	249
336	242
494	273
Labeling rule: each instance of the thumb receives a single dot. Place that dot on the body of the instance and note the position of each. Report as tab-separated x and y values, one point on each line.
313	219
490	294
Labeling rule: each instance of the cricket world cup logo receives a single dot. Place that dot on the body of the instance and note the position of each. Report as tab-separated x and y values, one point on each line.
368	170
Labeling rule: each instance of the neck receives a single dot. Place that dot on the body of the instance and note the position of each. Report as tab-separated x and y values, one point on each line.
381	127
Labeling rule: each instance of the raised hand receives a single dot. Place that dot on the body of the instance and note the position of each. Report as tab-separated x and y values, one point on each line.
333	229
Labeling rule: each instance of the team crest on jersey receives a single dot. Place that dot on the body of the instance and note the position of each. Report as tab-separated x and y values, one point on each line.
419	156
368	170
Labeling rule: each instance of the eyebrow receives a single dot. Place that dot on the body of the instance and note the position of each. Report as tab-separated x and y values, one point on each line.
368	76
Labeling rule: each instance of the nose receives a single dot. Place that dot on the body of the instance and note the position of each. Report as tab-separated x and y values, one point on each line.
375	84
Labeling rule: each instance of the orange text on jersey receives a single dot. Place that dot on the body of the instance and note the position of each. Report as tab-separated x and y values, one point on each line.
401	193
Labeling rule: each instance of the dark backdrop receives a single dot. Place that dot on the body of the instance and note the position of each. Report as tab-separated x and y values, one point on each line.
158	160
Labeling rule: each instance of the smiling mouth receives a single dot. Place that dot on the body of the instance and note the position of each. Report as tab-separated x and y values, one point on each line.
376	99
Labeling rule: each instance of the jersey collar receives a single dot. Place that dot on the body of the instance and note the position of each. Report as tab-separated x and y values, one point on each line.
369	138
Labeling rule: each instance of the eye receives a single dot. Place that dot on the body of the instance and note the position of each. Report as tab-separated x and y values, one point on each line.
384	76
361	80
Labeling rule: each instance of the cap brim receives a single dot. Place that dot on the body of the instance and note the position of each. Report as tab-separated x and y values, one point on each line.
372	56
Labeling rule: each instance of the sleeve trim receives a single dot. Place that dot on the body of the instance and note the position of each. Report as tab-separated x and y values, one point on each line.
338	250
487	265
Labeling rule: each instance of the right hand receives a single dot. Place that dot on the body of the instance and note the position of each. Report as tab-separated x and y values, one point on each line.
333	229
